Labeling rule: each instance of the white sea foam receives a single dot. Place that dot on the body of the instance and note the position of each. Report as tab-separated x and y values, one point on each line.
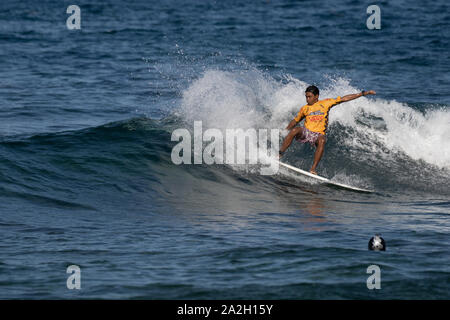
251	99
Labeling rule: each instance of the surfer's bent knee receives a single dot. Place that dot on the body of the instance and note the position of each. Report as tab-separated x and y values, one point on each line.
298	132
321	140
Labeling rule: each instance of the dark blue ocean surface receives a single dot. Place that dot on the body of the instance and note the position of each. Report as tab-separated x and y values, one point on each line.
87	178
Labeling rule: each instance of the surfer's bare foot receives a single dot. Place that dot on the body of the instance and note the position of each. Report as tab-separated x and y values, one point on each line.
313	172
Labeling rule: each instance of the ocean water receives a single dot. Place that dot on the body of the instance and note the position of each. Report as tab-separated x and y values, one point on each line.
87	179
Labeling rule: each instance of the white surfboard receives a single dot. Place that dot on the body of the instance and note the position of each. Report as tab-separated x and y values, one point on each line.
322	179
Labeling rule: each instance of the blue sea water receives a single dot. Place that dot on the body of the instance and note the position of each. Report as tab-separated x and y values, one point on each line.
86	176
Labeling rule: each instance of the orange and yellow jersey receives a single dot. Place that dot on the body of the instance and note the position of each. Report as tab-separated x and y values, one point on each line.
317	114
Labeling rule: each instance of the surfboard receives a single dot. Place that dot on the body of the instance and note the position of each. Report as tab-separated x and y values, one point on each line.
324	180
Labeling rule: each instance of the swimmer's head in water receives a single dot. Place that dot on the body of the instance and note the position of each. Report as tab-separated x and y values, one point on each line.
377	243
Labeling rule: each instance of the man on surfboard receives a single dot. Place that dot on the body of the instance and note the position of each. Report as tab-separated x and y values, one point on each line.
316	123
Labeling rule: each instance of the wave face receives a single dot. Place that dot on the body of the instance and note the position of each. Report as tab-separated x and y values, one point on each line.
392	147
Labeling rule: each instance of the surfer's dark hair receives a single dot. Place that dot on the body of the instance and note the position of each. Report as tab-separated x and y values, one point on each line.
313	89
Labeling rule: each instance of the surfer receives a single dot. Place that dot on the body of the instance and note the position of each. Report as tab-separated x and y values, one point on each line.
316	123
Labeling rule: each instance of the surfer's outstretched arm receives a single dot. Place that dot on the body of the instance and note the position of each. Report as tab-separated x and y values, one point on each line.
350	97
